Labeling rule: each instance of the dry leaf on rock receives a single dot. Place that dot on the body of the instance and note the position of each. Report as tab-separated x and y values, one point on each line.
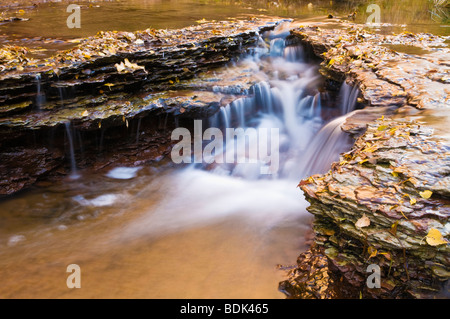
435	238
364	221
426	194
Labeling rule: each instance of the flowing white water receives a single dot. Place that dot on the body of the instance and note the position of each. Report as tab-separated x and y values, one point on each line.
73	164
288	100
40	96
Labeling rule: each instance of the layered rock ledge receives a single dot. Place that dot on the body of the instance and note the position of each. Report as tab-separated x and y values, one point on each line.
386	202
398	69
115	90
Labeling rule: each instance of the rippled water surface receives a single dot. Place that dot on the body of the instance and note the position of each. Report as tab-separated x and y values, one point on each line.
47	27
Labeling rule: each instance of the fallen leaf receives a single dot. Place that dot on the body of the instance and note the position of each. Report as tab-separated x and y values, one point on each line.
120	67
393	229
127	66
435	238
372	251
426	194
364	221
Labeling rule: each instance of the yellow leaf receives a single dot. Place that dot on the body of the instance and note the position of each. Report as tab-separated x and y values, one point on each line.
435	238
426	194
412	201
404	215
370	149
85	113
364	221
382	127
393	229
363	161
392	130
331	62
372	251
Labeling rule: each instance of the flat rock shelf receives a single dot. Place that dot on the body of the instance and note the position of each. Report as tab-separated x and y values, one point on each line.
109	85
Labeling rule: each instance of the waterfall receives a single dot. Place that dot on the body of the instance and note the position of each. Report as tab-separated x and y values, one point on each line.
293	53
40	96
325	147
276	47
225	116
138	130
347	98
307	144
73	165
286	101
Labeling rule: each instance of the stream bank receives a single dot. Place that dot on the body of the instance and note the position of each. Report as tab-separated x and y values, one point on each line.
386	201
106	102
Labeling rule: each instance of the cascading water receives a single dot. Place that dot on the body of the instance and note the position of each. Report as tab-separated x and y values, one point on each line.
73	165
347	98
40	96
287	100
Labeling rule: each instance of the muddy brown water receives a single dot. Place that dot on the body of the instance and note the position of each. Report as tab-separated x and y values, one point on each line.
46	27
218	257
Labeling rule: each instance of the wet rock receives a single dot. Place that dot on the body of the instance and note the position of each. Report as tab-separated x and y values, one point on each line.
385	76
312	279
108	87
21	167
387	177
116	61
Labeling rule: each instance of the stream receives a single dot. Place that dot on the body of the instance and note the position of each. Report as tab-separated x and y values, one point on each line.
183	231
193	232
